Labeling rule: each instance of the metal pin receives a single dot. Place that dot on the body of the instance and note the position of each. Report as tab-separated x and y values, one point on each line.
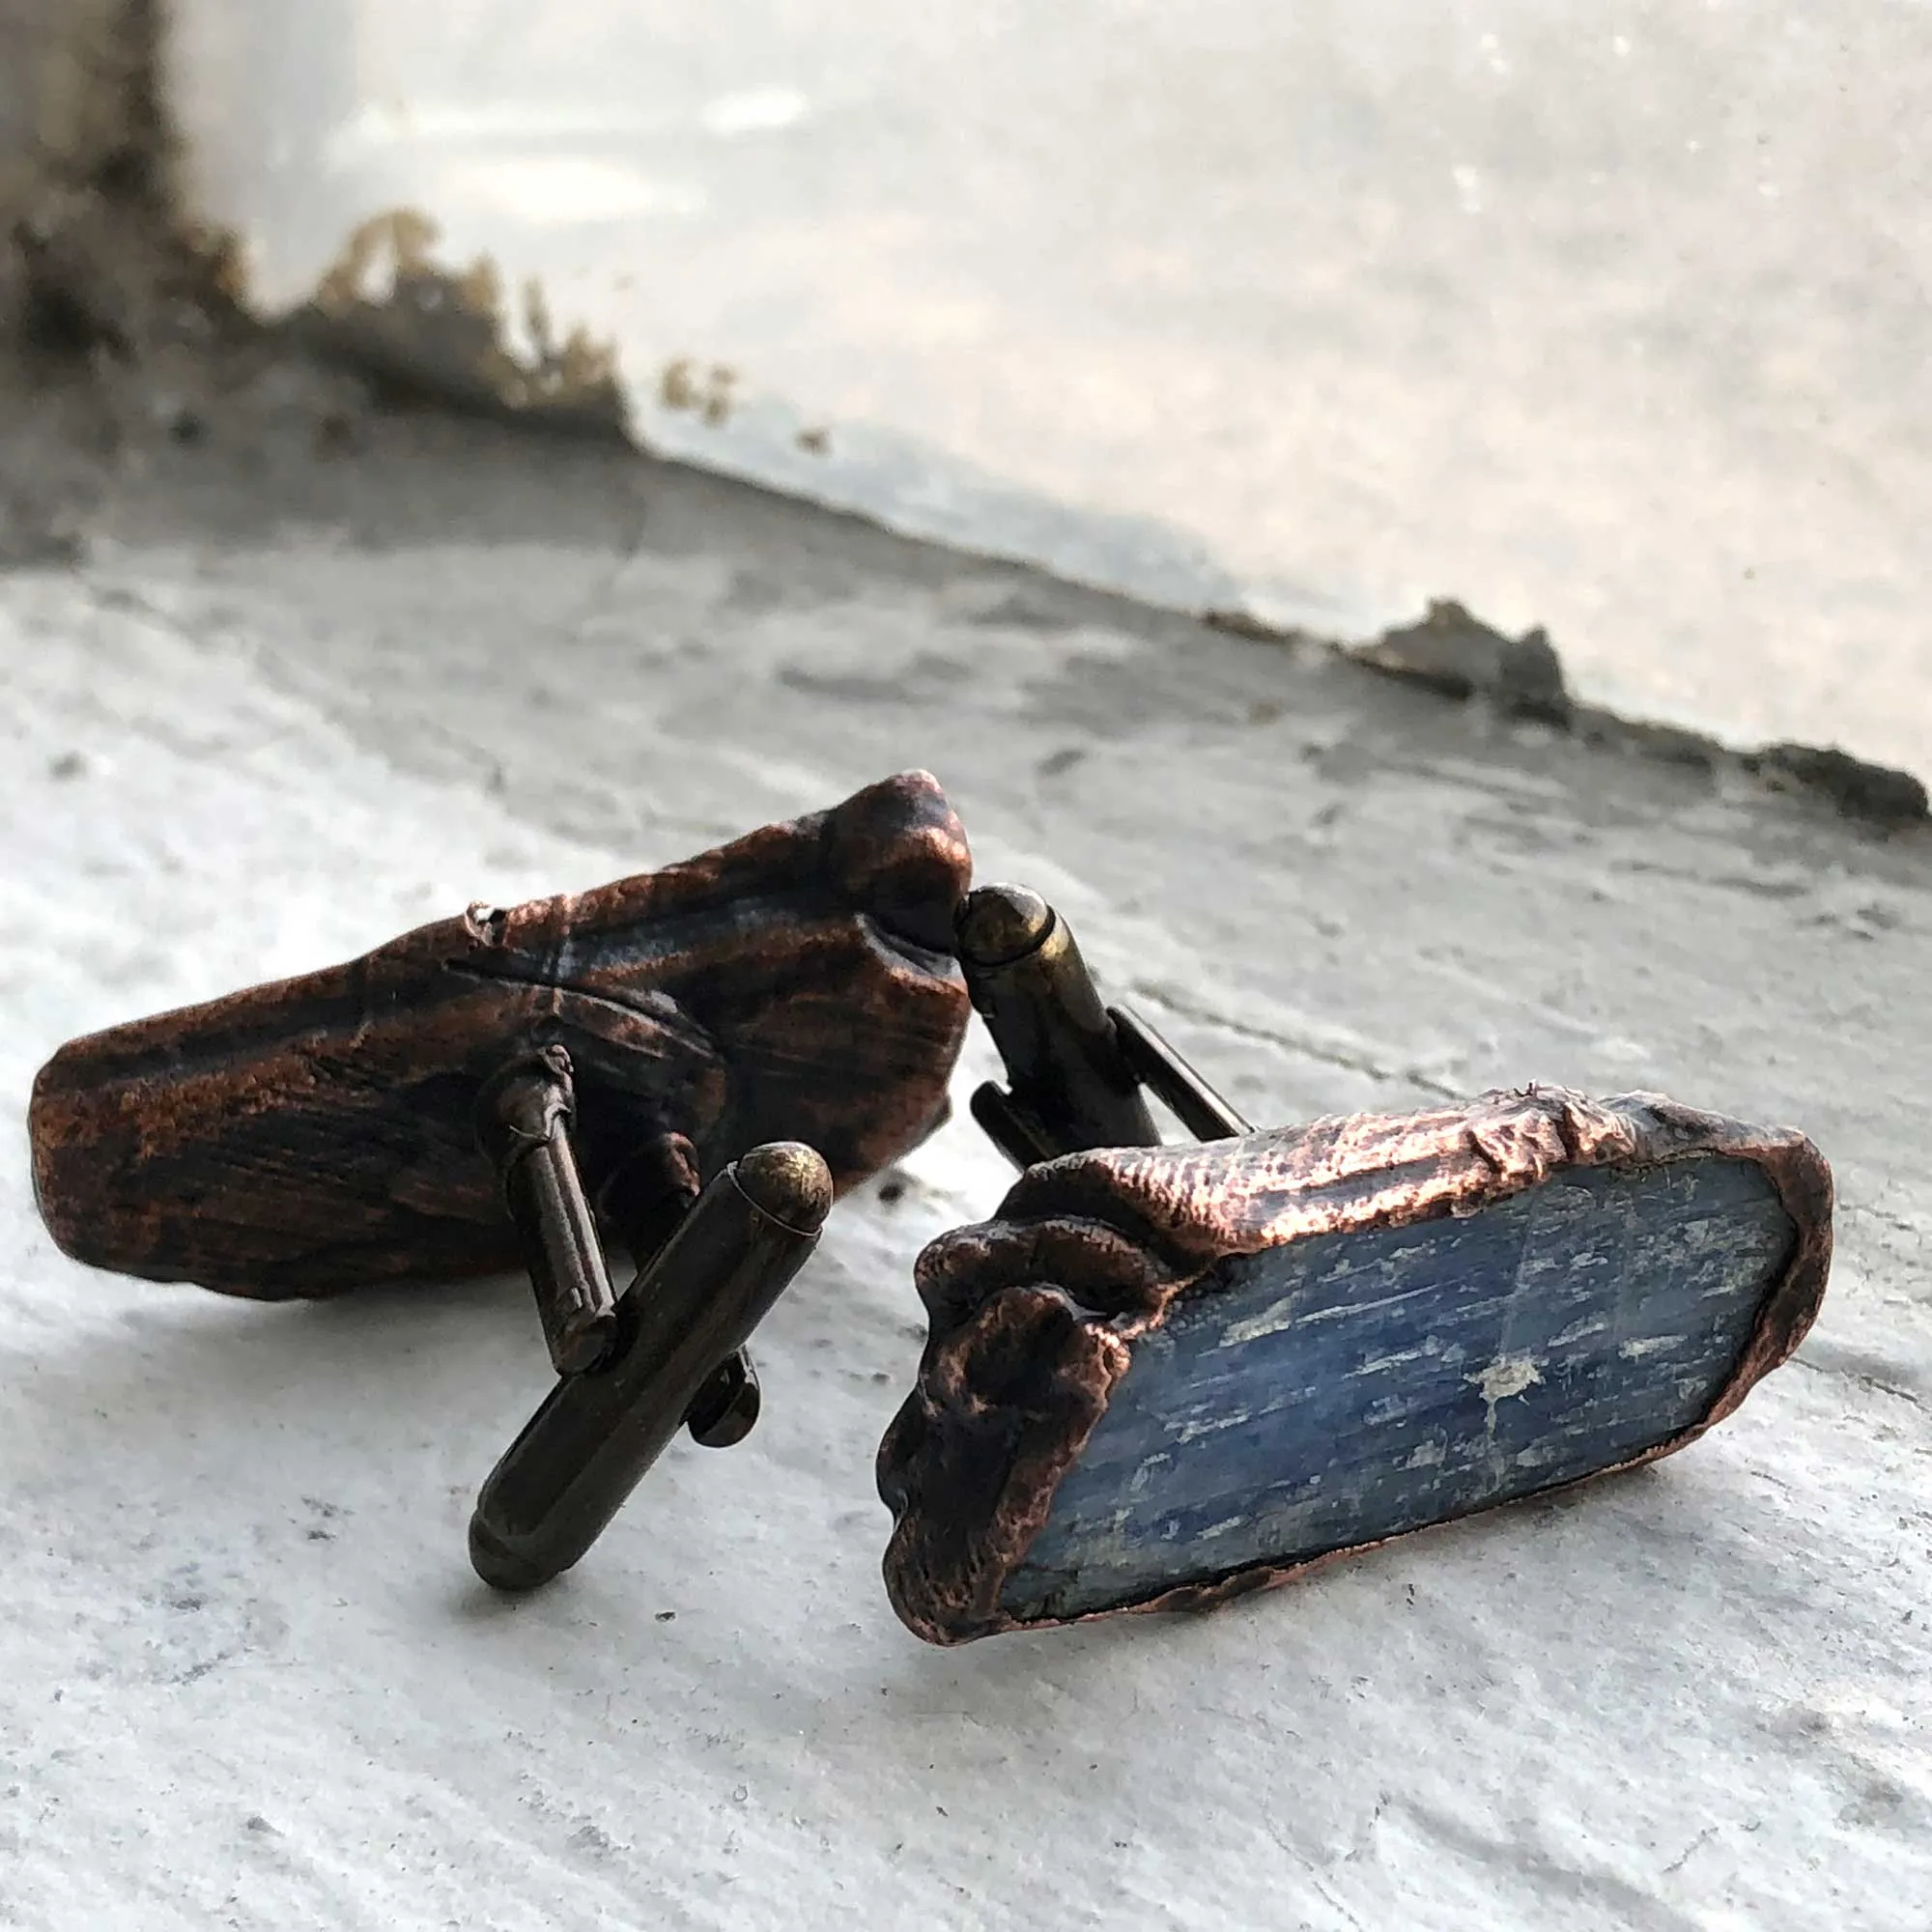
584	1450
1156	1066
524	1121
1071	1088
725	1409
642	1202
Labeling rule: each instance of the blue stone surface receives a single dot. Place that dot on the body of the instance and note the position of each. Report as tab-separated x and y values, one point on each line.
1351	1387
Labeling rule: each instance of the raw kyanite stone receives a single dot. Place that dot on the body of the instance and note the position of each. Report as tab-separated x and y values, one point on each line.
1163	1376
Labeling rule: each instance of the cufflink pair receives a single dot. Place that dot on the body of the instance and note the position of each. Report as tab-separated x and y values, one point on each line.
1161	1376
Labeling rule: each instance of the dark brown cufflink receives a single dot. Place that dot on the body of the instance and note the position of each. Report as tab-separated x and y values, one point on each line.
1161	1376
689	1065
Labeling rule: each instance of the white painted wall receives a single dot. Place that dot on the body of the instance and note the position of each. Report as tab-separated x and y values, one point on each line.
1612	318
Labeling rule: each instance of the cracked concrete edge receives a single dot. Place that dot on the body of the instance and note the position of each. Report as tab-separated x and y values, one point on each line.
87	187
100	228
443	337
388	311
1453	653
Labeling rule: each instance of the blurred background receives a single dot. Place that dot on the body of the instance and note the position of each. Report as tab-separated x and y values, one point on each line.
1612	318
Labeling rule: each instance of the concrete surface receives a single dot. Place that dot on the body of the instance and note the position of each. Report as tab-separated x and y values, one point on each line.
286	704
1609	318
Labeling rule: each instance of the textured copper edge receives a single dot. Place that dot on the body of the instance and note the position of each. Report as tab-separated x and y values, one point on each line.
879	875
1113	1239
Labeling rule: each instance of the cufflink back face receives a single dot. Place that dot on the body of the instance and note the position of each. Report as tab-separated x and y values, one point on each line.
689	1065
1161	1376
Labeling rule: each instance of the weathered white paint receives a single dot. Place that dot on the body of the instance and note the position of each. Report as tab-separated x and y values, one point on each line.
244	1679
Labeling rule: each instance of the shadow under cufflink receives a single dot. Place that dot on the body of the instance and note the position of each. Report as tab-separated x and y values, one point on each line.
1162	1376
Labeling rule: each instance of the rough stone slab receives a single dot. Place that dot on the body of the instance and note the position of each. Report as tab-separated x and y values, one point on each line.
292	707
